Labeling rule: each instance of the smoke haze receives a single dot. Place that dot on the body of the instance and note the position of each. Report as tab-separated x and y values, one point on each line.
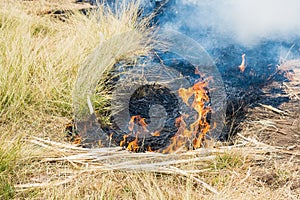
247	22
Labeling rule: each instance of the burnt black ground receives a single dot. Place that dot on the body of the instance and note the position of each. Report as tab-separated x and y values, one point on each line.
243	90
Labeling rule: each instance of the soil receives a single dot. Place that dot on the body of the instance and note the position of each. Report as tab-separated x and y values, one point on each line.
277	127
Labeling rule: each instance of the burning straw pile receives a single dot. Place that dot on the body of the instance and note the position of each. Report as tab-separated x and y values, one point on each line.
139	138
189	90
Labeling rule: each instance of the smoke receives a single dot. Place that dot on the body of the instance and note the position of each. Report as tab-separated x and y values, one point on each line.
245	22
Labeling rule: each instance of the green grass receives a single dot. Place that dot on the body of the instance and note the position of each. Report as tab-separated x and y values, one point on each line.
227	161
8	157
40	57
6	188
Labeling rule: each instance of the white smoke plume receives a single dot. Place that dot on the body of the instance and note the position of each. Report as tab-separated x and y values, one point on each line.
246	22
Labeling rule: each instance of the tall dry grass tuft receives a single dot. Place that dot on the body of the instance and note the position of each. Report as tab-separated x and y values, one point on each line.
40	56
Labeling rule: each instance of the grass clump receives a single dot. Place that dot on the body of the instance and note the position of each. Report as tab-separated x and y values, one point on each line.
6	188
8	156
228	161
40	56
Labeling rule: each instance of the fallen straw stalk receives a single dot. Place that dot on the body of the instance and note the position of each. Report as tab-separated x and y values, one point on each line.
276	110
175	170
165	170
265	148
117	159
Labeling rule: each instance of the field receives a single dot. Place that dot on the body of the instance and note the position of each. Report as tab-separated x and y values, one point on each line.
41	52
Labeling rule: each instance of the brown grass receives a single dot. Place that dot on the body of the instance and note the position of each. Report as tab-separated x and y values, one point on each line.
39	60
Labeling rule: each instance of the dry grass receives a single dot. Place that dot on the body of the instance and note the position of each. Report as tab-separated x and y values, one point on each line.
40	57
292	69
247	170
39	60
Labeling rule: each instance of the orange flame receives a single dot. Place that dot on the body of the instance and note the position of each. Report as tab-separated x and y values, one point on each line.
185	94
139	121
77	140
133	146
178	140
192	136
123	142
156	134
195	134
149	149
242	66
136	126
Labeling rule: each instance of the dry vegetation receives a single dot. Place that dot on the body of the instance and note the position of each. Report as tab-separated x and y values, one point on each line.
39	59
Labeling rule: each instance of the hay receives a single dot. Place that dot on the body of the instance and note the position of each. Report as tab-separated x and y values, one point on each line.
292	70
86	160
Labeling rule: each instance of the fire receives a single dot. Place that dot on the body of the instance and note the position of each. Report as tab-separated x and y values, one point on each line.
77	140
133	146
123	142
156	134
136	126
185	94
194	135
178	140
137	120
242	66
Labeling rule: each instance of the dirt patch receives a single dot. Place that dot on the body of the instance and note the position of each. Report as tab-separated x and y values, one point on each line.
275	120
273	128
